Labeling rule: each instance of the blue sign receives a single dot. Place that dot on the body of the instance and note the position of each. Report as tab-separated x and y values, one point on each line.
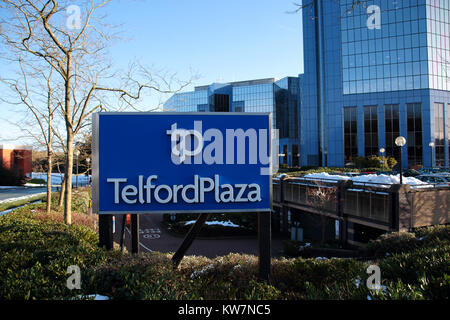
181	162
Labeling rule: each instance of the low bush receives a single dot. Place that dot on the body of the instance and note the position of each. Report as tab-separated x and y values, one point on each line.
36	255
391	243
37	181
375	162
36	249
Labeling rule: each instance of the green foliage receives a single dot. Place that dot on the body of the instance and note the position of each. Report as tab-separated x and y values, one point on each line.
405	242
37	181
20	202
35	254
80	199
389	243
375	162
307	170
426	269
35	257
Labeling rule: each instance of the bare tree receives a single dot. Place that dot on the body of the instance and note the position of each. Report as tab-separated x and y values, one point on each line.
34	89
320	197
75	48
311	3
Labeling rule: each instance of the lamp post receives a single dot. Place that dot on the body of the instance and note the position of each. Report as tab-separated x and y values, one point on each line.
400	142
382	150
431	144
77	153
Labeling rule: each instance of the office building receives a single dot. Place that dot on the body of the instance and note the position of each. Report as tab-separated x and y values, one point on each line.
371	74
279	97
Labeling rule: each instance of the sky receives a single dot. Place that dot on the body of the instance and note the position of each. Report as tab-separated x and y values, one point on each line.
218	41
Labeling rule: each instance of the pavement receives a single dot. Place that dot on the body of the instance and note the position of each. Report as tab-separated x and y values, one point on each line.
153	237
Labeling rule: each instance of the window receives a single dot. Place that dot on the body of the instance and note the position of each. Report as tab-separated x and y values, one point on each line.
392	129
414	139
350	133
370	130
439	134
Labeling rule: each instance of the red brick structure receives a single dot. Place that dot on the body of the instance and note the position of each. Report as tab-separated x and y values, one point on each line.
17	157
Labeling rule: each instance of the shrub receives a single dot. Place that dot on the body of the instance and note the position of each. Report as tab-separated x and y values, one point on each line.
389	243
36	249
37	181
35	257
427	269
375	162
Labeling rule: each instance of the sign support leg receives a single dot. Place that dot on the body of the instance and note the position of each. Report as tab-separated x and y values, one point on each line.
264	245
134	233
122	231
176	259
105	231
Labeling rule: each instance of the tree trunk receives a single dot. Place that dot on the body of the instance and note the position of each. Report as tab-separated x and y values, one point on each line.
69	150
49	180
68	179
61	193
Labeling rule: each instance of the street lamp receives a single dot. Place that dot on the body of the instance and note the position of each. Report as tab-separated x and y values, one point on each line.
431	144
400	142
77	153
382	150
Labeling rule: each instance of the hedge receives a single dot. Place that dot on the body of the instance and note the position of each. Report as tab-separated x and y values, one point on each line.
36	250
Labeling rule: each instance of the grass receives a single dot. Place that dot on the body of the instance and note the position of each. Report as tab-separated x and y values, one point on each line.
13	204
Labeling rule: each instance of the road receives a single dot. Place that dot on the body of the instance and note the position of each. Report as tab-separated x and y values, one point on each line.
20	192
153	237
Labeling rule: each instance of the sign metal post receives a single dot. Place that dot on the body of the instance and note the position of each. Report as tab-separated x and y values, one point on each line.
134	233
264	244
176	259
105	227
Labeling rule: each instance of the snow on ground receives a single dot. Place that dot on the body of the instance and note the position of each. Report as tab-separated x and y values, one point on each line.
222	223
381	180
23	197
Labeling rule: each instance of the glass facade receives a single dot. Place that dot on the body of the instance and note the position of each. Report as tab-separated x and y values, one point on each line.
414	137
438	28
439	134
392	129
286	102
255	98
280	98
370	130
390	57
187	102
350	133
